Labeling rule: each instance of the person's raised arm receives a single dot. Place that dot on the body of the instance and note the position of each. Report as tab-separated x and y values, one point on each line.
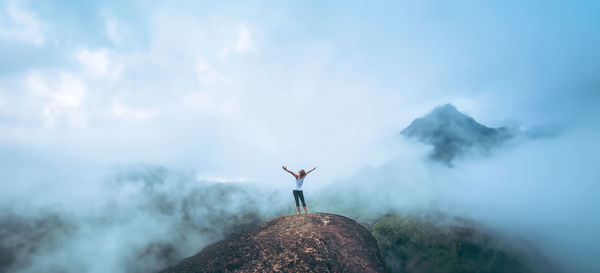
311	170
295	175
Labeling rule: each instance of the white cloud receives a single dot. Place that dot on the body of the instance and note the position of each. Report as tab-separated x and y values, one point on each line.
244	40
63	100
23	26
123	111
212	103
70	92
243	43
98	63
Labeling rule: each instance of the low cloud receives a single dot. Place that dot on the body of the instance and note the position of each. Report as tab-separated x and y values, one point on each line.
146	217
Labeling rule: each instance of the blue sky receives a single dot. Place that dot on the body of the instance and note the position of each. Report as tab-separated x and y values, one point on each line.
213	86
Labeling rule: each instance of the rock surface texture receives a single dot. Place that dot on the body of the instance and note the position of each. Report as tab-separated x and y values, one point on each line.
316	242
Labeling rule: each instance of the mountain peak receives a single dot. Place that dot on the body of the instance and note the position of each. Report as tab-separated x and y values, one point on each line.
453	133
447	114
446	108
317	242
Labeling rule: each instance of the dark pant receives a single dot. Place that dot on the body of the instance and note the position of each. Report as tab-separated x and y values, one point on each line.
299	194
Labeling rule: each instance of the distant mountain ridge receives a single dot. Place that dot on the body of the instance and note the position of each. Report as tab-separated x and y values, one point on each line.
453	133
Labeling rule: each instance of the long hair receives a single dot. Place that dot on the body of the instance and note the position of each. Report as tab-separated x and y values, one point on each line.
302	173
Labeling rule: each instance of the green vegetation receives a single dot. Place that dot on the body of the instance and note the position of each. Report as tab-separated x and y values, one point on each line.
418	244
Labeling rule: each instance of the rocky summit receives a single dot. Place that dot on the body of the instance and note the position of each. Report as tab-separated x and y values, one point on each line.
453	133
317	242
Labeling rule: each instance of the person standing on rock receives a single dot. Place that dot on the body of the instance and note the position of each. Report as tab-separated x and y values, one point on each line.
298	187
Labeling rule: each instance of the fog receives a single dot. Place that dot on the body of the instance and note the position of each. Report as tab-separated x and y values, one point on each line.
543	191
146	217
131	136
143	217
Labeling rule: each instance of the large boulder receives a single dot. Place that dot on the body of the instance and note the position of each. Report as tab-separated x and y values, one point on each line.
317	242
